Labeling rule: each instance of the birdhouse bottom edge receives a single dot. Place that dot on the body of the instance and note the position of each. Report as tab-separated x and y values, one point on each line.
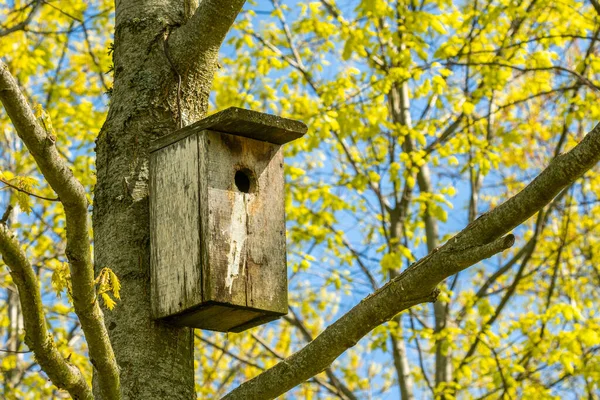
223	317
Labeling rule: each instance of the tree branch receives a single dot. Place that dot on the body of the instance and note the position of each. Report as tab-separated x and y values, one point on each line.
18	189
480	239
333	379
596	6
35	5
73	198
204	32
62	373
559	68
332	386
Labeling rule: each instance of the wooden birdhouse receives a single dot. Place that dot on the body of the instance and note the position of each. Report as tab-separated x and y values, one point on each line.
217	221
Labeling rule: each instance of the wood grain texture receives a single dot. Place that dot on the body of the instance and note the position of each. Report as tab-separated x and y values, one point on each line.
266	283
175	228
246	231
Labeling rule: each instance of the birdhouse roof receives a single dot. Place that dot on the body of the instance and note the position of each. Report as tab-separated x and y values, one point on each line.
240	122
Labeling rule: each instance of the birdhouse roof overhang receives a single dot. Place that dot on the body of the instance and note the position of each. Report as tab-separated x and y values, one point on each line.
240	122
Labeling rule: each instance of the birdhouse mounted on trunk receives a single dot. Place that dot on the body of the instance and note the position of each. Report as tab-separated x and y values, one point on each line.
217	221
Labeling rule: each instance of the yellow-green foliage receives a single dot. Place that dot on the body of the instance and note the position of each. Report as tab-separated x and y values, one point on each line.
518	79
107	282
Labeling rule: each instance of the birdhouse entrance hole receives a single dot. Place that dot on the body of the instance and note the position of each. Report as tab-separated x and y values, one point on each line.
243	180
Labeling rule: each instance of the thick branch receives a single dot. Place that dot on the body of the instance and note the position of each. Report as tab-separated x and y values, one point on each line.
62	373
480	239
410	288
73	197
204	32
562	171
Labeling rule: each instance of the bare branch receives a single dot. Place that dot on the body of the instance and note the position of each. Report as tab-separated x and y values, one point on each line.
73	197
15	351
230	354
93	56
18	189
558	68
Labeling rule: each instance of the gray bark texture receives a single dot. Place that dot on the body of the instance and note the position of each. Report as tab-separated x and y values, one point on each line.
165	54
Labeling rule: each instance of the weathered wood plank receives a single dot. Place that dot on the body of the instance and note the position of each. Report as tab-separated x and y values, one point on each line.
266	279
174	224
246	230
225	278
240	122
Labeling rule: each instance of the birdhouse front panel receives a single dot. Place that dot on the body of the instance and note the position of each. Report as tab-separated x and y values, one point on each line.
218	258
245	234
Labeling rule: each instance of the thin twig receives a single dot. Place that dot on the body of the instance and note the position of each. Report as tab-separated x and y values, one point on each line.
10	185
15	351
6	214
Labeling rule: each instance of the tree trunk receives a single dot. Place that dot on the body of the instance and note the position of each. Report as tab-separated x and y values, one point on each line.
156	359
401	363
443	364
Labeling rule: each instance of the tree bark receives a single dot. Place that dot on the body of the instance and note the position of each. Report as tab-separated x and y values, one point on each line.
159	85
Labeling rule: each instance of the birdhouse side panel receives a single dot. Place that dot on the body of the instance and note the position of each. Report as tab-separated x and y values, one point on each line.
267	268
244	179
175	228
